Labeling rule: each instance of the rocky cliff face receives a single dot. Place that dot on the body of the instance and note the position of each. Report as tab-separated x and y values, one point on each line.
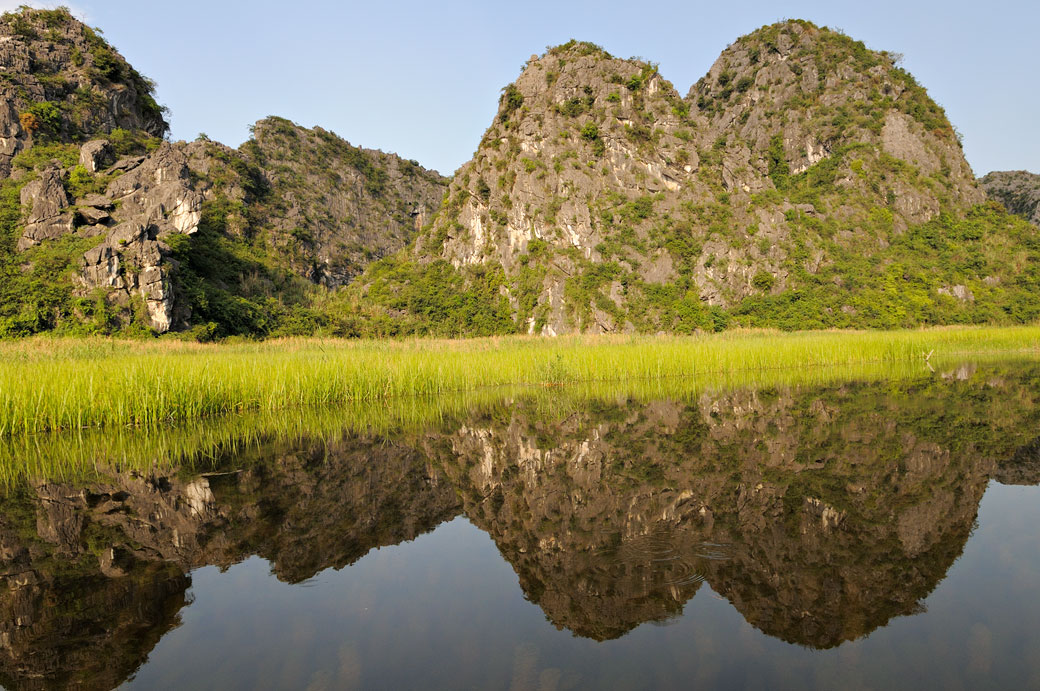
114	218
787	97
806	181
61	81
1017	190
800	168
129	231
336	207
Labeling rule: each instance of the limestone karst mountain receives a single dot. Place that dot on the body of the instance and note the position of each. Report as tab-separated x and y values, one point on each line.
107	227
337	207
1017	190
806	181
62	81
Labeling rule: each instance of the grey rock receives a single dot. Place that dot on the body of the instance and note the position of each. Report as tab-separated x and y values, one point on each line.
159	192
960	292
93	216
47	202
1017	190
98	201
130	260
95	155
127	164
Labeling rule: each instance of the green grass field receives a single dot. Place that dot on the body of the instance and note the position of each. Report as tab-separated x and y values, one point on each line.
51	384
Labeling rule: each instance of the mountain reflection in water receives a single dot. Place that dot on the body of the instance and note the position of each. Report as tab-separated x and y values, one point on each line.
820	514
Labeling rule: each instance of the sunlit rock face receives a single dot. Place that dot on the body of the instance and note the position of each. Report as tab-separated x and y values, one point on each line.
60	61
597	184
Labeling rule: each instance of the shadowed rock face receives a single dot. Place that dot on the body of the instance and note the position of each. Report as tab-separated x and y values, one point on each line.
819	514
1017	190
338	207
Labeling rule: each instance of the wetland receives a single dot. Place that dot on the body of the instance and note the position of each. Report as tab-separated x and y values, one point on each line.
860	529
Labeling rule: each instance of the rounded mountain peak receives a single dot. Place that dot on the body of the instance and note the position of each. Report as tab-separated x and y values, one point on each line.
797	66
797	94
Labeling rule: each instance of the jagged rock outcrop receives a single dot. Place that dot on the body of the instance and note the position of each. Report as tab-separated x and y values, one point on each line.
95	155
154	197
146	199
46	201
1017	190
130	263
336	207
159	192
64	82
796	167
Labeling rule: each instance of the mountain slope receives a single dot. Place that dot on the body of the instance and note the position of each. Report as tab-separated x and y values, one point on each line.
1017	190
804	182
63	82
104	227
337	207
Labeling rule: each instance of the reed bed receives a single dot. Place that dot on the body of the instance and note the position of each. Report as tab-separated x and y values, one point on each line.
49	384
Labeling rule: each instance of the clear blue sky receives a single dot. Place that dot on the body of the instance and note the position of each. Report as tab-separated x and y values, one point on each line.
422	78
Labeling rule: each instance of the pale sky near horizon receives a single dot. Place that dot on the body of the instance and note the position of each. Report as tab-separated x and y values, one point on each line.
422	79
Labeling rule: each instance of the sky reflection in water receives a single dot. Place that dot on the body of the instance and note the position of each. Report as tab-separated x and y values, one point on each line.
846	536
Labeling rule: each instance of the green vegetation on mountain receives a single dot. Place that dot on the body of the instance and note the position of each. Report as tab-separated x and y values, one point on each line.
805	182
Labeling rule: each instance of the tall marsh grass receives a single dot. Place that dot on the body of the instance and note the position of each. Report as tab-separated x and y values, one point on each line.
48	385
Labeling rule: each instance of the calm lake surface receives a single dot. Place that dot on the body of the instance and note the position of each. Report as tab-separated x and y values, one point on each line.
860	534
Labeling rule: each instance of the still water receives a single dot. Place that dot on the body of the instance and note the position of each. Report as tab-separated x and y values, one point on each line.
877	534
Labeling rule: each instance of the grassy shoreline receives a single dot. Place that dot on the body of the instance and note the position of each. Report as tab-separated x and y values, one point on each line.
59	384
